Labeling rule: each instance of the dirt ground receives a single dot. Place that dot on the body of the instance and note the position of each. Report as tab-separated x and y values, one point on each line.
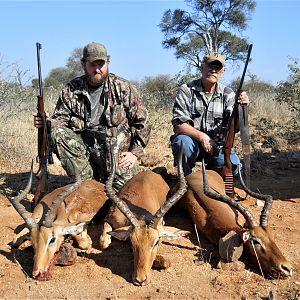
107	275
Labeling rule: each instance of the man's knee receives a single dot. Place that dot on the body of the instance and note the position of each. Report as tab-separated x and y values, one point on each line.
187	144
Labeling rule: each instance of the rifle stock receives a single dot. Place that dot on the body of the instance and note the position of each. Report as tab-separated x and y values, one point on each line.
42	157
233	125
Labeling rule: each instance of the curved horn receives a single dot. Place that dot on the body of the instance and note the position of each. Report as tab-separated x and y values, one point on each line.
51	214
264	216
122	206
20	208
171	201
224	198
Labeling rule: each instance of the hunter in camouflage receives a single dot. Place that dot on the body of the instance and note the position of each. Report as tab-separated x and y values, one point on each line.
89	112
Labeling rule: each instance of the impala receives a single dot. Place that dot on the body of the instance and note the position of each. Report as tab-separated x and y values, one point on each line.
215	214
66	211
137	214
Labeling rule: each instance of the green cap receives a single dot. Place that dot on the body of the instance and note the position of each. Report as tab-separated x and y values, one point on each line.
94	51
214	57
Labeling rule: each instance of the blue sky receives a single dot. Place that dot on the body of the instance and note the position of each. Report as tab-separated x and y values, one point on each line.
130	31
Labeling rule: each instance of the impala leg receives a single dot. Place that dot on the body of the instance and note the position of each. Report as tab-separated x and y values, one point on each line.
105	239
22	239
83	240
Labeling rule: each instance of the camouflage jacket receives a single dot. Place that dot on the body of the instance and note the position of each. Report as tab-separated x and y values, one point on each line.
124	111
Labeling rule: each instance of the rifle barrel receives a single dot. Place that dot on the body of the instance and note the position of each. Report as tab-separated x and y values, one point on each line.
38	48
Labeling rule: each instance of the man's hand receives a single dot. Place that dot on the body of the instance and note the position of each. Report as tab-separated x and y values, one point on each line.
38	120
127	160
243	99
207	143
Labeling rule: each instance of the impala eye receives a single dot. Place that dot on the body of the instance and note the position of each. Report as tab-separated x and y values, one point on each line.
52	241
155	243
256	242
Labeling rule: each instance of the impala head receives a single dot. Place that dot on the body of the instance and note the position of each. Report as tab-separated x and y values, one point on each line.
145	234
46	237
257	239
263	252
46	243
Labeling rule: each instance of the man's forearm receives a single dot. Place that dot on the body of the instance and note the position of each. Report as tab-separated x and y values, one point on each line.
189	130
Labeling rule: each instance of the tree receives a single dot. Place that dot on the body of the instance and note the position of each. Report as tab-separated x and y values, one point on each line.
158	91
289	91
74	61
254	84
59	76
63	75
16	95
206	29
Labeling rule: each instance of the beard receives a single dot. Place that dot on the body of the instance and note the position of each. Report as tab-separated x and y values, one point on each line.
96	79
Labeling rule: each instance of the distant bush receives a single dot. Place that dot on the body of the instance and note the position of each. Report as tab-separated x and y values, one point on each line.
288	92
18	138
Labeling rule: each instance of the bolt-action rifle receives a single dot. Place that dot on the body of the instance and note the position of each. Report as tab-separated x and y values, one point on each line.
237	121
43	149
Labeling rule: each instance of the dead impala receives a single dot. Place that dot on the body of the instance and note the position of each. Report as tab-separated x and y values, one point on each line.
215	214
65	211
137	214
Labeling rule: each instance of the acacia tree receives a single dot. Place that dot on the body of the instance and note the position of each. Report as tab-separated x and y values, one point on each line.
210	26
289	91
63	75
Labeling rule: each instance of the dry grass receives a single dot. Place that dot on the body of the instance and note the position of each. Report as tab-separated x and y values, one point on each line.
18	137
264	106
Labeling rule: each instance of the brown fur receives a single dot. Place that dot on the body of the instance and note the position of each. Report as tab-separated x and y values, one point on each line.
79	207
144	194
205	212
214	219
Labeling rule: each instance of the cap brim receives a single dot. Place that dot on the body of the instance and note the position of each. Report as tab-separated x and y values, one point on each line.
215	61
91	59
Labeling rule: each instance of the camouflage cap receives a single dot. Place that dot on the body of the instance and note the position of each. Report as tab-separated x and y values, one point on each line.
214	57
94	51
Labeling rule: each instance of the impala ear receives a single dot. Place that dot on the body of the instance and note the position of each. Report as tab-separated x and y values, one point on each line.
231	246
172	233
74	229
122	233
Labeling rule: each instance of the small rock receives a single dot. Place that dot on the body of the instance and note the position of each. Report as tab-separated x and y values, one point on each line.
67	255
161	262
260	203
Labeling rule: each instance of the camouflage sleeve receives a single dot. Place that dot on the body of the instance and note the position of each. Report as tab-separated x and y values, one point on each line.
182	107
65	112
138	121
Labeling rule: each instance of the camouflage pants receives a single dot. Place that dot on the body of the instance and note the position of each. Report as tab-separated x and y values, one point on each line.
79	159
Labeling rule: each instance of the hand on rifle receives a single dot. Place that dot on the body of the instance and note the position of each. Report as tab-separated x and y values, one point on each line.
38	120
207	143
243	99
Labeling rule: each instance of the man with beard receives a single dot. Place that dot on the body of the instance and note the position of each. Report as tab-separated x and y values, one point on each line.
201	107
90	110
